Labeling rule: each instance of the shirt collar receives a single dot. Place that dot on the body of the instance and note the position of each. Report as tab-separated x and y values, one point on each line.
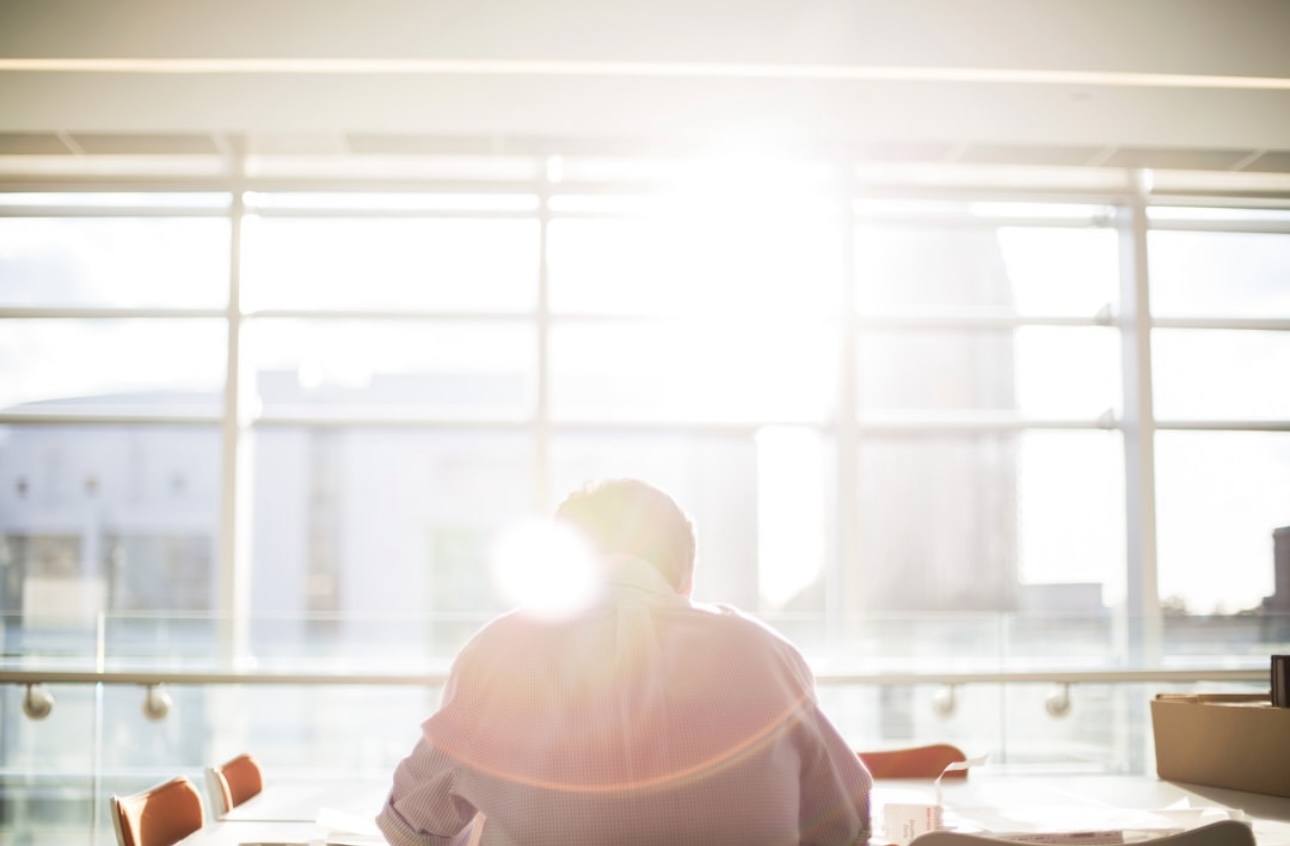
626	576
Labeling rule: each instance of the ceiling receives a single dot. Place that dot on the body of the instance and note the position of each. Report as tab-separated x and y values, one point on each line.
1189	84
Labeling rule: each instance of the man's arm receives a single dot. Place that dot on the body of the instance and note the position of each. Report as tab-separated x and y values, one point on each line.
423	808
835	787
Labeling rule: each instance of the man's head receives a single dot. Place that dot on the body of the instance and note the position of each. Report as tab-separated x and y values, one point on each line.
629	517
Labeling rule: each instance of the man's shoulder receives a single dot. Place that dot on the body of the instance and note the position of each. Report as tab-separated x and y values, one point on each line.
736	622
510	626
724	628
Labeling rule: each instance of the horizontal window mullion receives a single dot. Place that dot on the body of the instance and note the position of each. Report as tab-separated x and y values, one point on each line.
1275	324
982	321
378	421
950	422
952	221
386	314
402	214
1237	227
109	211
1223	425
83	418
108	313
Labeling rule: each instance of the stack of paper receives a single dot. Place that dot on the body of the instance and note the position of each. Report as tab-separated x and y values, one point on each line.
344	829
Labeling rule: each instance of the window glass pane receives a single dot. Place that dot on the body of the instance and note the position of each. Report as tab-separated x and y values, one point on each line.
923	268
677	265
179	262
1070	525
143	366
1067	371
1026	270
362	532
357	367
938	523
695	372
1225	274
101	519
962	522
338	263
921	370
1037	371
712	477
1219	496
1221	374
1061	271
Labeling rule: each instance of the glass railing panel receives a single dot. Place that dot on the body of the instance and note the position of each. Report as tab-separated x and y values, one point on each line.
1237	640
888	716
886	680
325	729
1061	641
179	642
49	767
358	644
48	641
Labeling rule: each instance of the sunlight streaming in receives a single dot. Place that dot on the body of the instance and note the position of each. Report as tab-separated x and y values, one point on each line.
790	512
546	570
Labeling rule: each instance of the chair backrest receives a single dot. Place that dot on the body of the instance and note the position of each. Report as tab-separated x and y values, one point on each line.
914	761
1220	833
159	816
234	781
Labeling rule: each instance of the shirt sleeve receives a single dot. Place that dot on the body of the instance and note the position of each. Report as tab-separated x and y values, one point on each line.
835	786
835	789
423	808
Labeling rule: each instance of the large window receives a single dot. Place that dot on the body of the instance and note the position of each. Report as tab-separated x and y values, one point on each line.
895	420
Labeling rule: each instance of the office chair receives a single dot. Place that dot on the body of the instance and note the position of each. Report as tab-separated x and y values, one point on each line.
914	761
159	816
233	782
1221	833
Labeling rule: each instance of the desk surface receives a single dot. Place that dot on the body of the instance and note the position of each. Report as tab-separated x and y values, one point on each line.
286	812
1047	802
300	800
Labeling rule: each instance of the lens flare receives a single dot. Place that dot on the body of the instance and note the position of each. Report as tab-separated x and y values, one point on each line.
546	570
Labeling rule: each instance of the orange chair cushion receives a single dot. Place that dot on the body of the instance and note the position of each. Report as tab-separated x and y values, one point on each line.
914	762
160	816
240	779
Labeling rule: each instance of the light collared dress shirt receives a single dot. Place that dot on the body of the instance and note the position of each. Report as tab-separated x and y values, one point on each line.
648	719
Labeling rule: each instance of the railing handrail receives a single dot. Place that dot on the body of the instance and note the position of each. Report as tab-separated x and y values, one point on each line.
31	676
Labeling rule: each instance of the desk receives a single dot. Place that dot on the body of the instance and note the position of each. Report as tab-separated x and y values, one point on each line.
238	832
1031	802
299	801
1078	801
286	812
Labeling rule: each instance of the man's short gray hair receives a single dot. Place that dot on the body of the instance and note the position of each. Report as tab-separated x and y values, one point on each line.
630	517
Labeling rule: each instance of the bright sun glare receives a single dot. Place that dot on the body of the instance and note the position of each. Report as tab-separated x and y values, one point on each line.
546	570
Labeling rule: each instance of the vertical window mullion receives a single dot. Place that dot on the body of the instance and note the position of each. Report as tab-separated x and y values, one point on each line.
232	603
542	317
1142	629
844	572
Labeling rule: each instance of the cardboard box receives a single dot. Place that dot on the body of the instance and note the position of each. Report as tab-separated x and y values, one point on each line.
1238	741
